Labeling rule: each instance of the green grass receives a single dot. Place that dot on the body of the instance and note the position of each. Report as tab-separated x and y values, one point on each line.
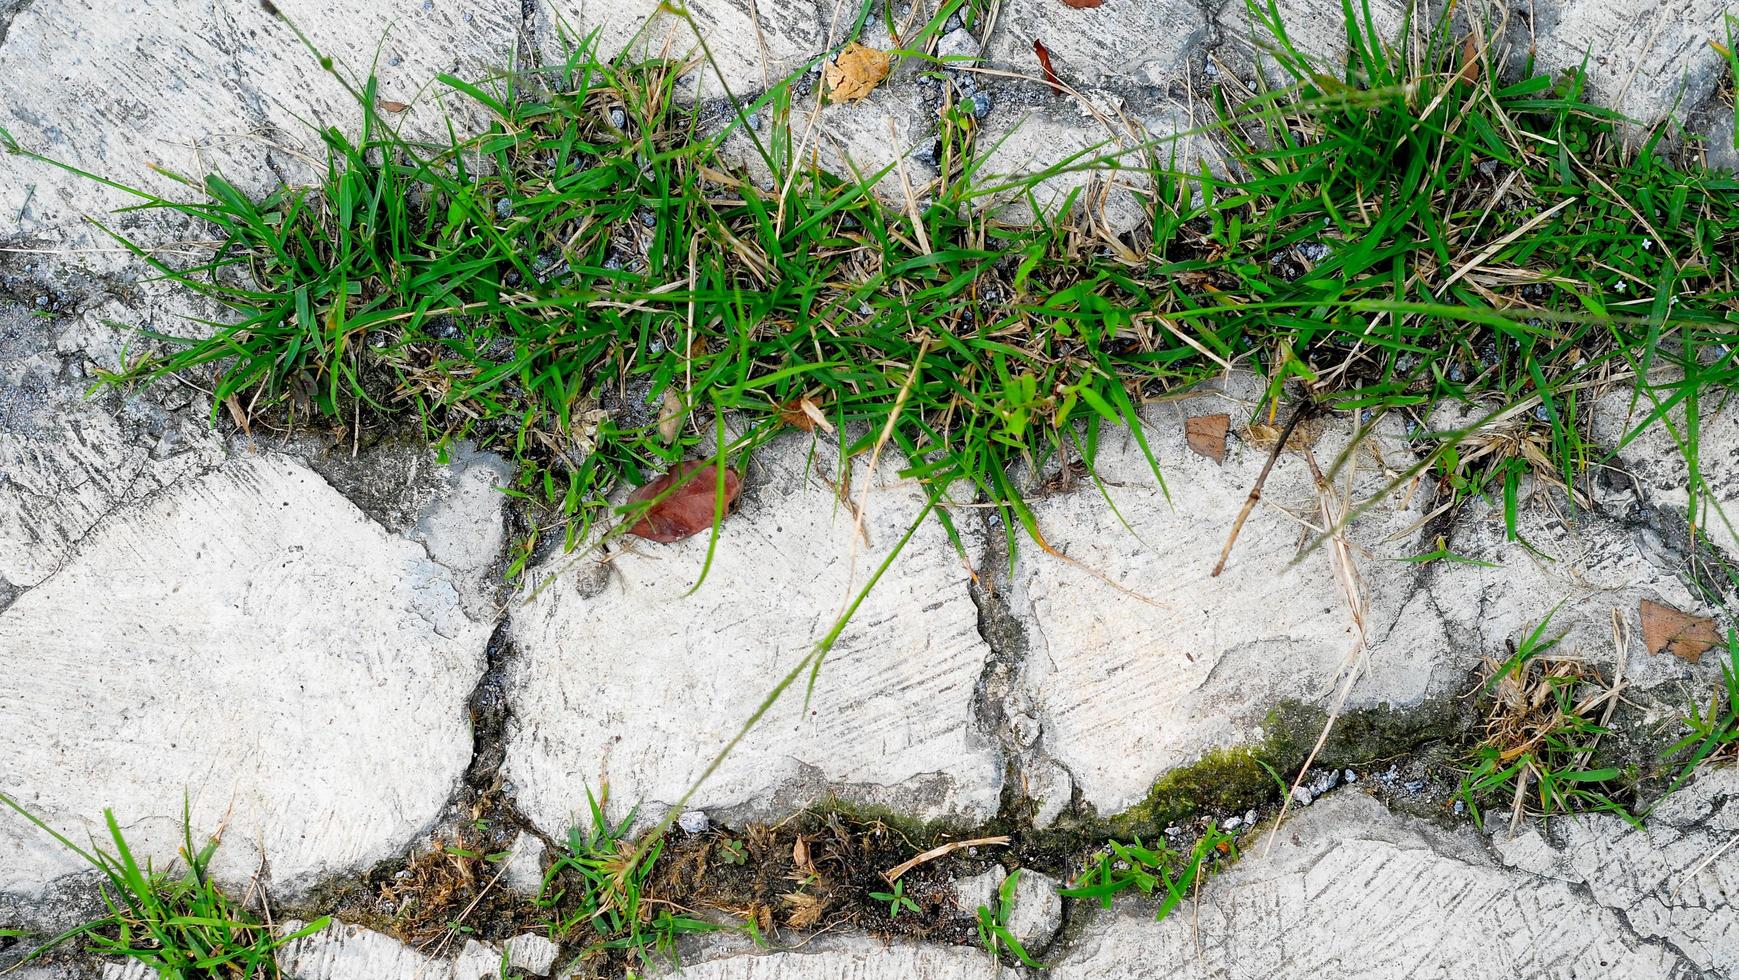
993	932
1387	240
1407	231
181	925
596	897
1540	752
1154	870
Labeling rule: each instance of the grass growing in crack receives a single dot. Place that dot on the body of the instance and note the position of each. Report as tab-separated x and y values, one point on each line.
993	933
589	280
598	898
182	926
1714	732
1404	232
1537	755
1169	873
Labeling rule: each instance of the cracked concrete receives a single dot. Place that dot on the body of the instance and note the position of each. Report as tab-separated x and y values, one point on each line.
318	648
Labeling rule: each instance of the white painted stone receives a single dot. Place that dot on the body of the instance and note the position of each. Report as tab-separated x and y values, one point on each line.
113	87
1674	882
889	133
1647	61
1038	910
1049	786
524	873
1654	454
247	637
1720	147
621	675
67	460
752	44
1121	44
1351	891
850	958
1128	689
532	953
349	952
1316	29
979	891
1102	155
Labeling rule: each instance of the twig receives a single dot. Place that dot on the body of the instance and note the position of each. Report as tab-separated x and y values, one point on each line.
1256	491
892	874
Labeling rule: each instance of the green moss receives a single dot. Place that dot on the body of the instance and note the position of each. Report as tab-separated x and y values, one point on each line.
1223	780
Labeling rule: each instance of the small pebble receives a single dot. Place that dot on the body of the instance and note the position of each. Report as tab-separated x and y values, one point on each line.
1172	831
1233	823
693	822
428	4
1415	785
1351	777
618	118
1301	796
467	16
1460	808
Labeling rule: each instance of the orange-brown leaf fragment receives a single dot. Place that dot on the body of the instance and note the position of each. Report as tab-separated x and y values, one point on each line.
1206	435
1469	60
1665	629
856	72
1082	4
388	105
685	501
1044	55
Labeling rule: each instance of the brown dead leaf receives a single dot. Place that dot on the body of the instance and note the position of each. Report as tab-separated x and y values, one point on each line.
1044	54
1469	60
800	855
803	413
1082	4
687	509
805	908
856	72
1206	435
388	105
1665	629
670	417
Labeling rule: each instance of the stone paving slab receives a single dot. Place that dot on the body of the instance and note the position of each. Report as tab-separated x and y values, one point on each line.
622	675
245	634
1352	891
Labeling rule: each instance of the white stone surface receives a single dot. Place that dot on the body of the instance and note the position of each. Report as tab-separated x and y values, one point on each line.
1352	891
1315	28
850	958
1647	61
1101	153
1127	689
1122	44
1654	454
532	953
1038	910
349	952
752	44
621	675
66	460
1674	883
192	87
250	639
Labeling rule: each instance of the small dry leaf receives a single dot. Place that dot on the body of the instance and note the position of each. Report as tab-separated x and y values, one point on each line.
856	72
670	417
1665	629
388	105
687	509
800	855
1044	54
1469	60
803	413
805	909
1082	4
1207	435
